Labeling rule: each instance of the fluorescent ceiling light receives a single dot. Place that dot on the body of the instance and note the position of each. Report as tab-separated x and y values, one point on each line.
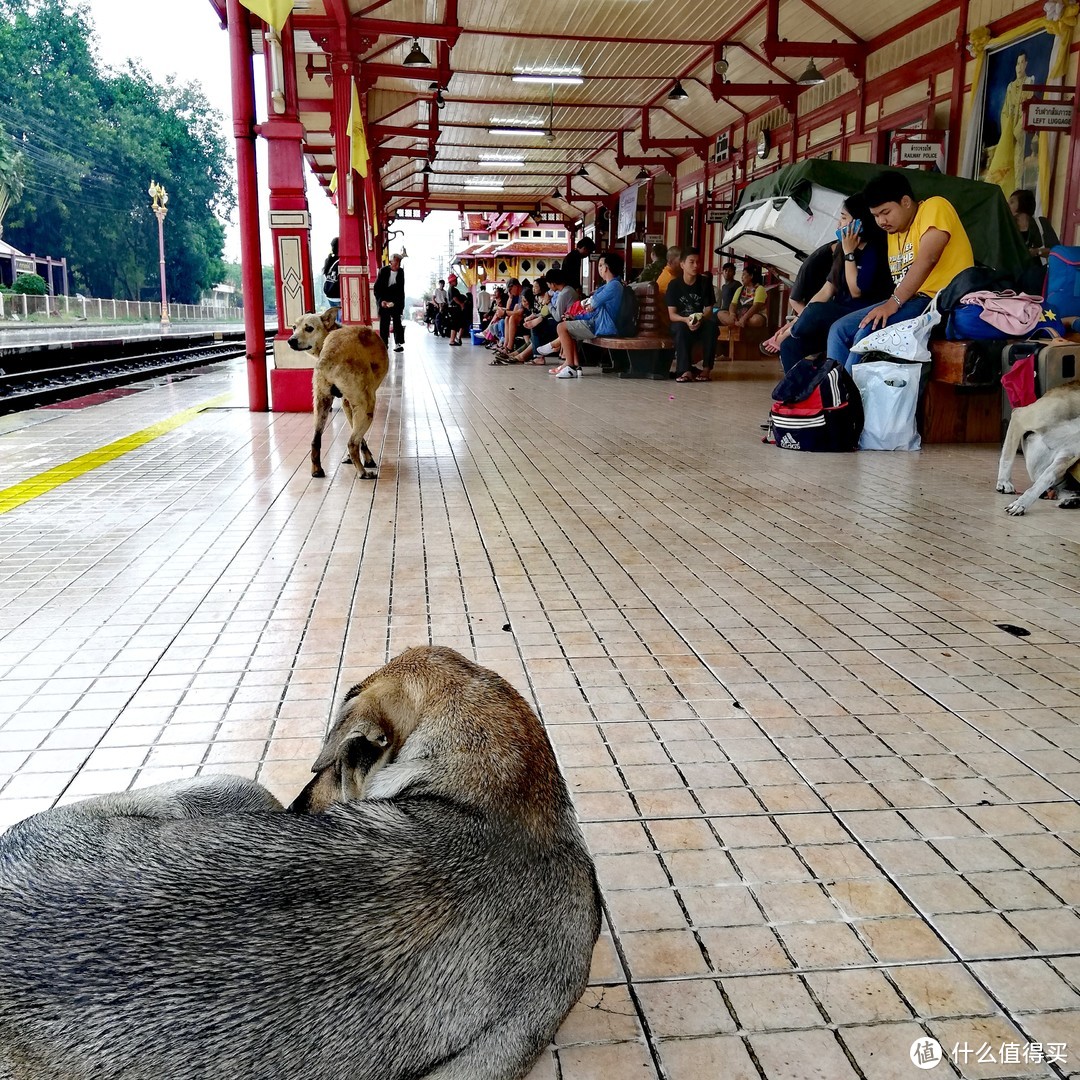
564	76
482	187
533	132
511	162
517	121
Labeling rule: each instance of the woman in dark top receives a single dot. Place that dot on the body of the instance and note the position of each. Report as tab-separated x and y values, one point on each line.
859	276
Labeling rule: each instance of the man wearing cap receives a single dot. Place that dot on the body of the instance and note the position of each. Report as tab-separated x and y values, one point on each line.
390	296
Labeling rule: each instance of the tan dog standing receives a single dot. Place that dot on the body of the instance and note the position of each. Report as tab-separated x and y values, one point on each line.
351	363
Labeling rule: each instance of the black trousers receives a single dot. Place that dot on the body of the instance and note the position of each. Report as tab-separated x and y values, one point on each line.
685	340
385	315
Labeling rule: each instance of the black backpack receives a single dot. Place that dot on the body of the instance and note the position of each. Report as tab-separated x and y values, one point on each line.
816	407
331	285
626	320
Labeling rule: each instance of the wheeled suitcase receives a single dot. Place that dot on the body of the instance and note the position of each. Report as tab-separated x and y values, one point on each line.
1056	364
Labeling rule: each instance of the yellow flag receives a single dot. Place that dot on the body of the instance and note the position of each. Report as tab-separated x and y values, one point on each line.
272	12
357	135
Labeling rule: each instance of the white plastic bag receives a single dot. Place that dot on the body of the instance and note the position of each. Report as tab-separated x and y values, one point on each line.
890	395
907	340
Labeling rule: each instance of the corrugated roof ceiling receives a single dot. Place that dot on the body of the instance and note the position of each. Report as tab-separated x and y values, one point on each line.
629	52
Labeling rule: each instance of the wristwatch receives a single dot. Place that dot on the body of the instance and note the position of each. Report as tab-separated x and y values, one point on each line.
849	256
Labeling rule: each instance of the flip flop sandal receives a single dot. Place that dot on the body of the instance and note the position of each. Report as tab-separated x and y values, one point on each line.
685	377
497	363
703	378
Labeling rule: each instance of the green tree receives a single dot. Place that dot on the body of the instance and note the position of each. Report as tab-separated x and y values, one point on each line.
93	140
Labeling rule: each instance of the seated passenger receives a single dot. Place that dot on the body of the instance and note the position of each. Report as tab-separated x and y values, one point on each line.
928	247
671	271
729	285
812	275
656	267
1038	236
601	318
748	305
545	337
859	276
534	306
690	300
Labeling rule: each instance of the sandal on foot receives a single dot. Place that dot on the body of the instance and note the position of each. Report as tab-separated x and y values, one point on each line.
702	376
498	363
686	376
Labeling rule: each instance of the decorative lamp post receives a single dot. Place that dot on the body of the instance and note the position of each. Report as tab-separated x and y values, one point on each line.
159	197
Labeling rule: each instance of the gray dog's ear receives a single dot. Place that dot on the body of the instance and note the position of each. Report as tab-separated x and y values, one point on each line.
360	744
329	319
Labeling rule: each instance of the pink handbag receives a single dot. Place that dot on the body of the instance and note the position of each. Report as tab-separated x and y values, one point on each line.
1019	381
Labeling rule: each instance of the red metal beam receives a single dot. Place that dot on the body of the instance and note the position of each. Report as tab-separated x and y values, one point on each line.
699	146
370	30
774	46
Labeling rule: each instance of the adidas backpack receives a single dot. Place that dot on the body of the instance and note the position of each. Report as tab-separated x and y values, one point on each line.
816	407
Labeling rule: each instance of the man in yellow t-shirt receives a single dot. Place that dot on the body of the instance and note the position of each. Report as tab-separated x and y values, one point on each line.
928	247
671	271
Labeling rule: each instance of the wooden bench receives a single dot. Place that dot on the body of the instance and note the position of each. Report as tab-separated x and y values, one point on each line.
742	342
648	354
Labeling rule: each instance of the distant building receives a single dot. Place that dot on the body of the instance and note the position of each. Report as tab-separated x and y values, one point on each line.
502	246
14	262
220	296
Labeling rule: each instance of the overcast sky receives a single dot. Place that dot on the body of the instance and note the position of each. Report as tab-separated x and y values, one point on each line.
193	47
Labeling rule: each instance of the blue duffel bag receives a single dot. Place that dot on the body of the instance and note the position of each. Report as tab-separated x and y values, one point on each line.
1063	281
967	324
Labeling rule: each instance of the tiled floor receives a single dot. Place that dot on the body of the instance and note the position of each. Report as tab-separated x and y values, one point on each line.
833	805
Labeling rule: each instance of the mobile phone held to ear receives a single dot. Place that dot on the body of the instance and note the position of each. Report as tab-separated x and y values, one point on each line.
852	228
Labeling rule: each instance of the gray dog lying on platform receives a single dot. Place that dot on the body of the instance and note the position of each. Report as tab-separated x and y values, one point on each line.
428	910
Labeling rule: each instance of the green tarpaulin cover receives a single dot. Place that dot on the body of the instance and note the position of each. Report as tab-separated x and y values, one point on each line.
991	229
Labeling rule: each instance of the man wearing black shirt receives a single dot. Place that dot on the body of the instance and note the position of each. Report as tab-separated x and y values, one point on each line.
690	300
571	265
390	295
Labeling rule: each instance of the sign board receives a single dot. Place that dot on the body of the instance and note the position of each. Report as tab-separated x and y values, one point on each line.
654	238
1048	115
715	216
627	219
25	266
720	147
912	153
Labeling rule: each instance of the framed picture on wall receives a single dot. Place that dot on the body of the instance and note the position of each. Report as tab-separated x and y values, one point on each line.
1008	153
998	145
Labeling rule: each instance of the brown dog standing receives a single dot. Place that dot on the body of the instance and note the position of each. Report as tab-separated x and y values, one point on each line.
351	363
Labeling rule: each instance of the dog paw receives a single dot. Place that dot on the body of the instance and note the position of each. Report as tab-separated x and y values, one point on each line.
1015	509
367	474
1005	487
318	473
1071	503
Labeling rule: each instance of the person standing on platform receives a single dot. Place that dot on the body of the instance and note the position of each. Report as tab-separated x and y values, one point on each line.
331	282
484	305
390	296
571	265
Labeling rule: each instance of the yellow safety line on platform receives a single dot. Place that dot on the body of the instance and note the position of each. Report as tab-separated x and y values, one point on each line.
44	482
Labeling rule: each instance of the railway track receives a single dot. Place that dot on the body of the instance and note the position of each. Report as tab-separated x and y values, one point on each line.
47	376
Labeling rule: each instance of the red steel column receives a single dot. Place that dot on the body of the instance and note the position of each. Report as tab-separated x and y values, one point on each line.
243	91
290	218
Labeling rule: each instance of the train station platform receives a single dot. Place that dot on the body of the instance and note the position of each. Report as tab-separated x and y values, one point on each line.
820	713
57	335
